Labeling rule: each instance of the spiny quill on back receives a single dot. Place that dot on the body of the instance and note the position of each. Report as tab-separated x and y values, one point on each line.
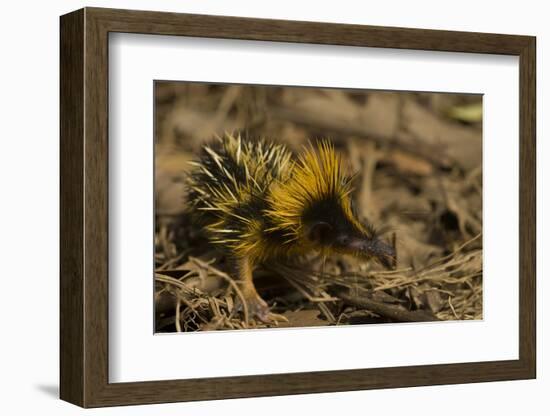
259	202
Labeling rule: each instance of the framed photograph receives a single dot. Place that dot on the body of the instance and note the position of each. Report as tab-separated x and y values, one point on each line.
264	207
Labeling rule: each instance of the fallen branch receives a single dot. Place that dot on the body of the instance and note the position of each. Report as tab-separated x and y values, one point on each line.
394	312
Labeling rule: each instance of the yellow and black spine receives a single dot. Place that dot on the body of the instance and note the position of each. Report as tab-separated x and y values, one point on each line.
259	201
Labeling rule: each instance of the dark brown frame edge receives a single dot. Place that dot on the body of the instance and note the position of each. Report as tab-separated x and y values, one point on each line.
84	213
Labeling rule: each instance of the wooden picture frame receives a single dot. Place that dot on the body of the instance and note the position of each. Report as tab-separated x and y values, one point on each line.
84	207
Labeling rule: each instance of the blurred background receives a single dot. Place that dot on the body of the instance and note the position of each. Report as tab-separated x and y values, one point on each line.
419	162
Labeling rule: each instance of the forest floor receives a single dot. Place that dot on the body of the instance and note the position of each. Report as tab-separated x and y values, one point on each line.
419	162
